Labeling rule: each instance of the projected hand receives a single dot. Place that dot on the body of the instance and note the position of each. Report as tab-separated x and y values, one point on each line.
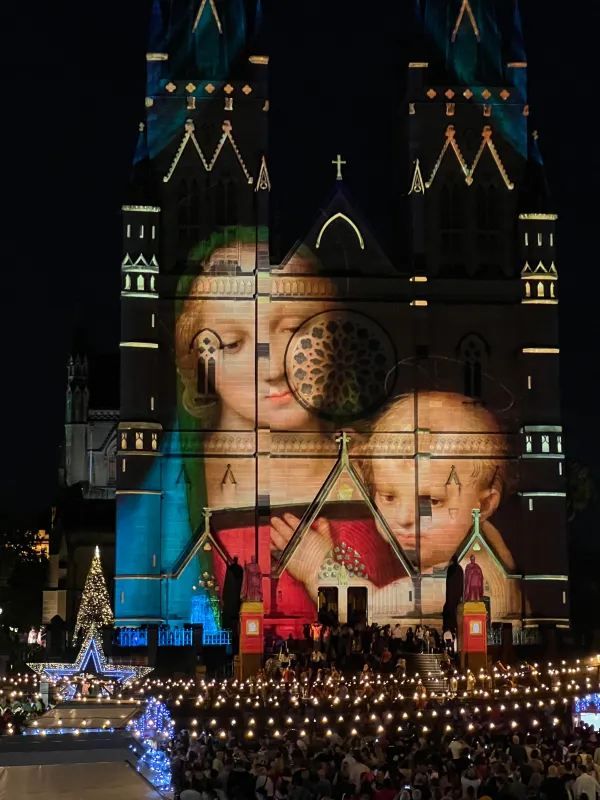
310	552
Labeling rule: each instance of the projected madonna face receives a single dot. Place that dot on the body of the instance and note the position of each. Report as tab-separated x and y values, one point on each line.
224	381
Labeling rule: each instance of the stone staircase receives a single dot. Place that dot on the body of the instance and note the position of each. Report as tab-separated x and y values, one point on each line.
427	667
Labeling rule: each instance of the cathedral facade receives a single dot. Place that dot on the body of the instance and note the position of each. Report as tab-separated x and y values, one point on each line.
350	423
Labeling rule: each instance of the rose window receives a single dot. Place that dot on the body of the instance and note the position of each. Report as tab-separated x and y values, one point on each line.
340	364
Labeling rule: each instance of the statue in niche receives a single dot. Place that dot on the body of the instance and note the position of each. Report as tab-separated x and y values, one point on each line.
232	589
252	583
454	593
473	591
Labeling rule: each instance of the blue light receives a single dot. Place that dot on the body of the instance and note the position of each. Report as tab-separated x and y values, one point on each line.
591	702
154	728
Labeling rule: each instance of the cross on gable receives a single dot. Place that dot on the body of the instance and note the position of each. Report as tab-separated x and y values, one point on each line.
343	440
207	514
339	163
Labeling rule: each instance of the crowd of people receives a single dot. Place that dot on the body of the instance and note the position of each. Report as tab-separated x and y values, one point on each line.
16	709
470	761
350	646
375	737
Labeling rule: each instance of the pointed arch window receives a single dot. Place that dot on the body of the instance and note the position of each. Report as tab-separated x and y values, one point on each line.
540	289
527	289
452	221
208	348
545	443
226	211
488	225
127	282
473	353
189	214
140	283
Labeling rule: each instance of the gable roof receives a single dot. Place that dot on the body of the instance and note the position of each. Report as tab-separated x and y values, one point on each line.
339	241
342	466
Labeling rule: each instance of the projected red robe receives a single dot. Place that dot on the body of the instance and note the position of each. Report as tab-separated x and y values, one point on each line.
356	539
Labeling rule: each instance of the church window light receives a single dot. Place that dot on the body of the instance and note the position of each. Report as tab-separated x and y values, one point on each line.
559	444
123	441
124	465
141	231
154	231
545	443
540	289
551	240
564	598
552	289
527	289
153	320
155	441
152	404
473	353
531	503
152	283
529	382
528	444
128	231
560	468
539	239
122	597
526	239
140	283
153	559
208	351
139	440
127	282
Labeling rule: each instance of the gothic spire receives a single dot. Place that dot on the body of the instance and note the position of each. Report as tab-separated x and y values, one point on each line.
199	39
473	41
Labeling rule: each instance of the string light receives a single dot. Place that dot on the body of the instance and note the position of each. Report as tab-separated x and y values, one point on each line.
94	608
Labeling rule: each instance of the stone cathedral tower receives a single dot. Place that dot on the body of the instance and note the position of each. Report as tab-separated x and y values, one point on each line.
349	422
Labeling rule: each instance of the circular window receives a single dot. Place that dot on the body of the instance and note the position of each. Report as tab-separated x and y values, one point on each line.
339	363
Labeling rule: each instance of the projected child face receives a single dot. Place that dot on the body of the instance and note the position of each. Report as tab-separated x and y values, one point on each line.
448	488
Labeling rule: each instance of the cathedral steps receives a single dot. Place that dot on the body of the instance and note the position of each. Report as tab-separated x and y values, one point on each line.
426	666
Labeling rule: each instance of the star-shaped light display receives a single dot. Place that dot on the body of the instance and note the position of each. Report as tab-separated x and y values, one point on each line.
91	651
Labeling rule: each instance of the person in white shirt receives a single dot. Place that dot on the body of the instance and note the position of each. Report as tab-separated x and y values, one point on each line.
587	784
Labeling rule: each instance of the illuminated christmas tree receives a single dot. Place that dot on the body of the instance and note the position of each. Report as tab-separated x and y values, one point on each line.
94	609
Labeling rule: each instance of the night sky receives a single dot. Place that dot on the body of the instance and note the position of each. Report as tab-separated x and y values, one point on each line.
73	91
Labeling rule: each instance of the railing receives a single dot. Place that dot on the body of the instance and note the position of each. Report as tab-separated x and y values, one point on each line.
215	639
132	637
494	635
174	637
520	636
526	636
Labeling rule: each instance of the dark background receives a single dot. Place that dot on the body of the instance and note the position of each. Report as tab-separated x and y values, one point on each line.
73	90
